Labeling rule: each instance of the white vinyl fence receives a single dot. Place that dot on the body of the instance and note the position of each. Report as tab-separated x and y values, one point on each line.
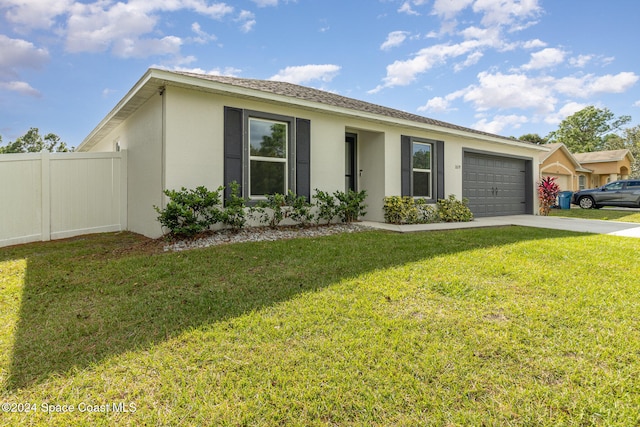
45	196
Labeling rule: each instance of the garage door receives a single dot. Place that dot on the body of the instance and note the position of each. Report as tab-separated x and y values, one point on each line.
495	185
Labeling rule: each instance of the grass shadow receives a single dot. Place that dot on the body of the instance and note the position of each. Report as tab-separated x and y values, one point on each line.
91	298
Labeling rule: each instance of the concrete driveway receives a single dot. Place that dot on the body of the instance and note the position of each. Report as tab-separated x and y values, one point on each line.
614	228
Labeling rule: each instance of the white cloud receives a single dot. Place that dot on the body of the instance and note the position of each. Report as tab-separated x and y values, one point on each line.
545	58
580	61
23	88
534	44
472	59
506	12
448	9
436	105
406	8
35	14
402	73
499	123
17	54
306	73
394	39
265	3
142	48
505	91
589	85
202	36
247	21
636	104
567	110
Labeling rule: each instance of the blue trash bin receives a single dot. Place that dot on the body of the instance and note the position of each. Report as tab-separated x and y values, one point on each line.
564	199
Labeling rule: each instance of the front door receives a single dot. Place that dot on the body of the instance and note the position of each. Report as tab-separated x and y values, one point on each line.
350	162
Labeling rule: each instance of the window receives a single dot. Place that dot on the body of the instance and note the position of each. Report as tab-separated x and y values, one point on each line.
268	153
421	170
582	182
614	186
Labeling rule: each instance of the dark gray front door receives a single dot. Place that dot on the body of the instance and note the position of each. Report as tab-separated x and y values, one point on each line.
495	185
350	162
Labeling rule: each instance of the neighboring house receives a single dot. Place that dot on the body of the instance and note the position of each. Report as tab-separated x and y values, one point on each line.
575	172
606	166
561	164
186	130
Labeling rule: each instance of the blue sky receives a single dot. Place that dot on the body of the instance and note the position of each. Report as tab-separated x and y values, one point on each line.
509	67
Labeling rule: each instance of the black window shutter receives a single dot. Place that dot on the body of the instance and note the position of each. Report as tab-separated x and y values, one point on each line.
405	165
439	170
303	158
232	148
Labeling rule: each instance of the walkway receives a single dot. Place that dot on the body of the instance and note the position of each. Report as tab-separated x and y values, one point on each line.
614	228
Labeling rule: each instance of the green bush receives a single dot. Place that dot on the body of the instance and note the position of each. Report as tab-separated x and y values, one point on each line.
407	210
351	205
190	212
233	214
427	213
400	210
452	210
278	207
326	207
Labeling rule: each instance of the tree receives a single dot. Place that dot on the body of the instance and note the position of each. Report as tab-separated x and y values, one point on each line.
630	139
533	138
588	129
33	142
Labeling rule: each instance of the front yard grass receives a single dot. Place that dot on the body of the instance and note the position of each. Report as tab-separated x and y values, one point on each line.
603	214
496	326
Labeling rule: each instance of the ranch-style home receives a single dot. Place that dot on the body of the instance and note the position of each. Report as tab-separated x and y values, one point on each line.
186	130
574	172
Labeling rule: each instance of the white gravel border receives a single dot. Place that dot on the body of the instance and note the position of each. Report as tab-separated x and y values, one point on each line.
260	234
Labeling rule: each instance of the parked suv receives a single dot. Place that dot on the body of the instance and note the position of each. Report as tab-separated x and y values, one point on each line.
625	193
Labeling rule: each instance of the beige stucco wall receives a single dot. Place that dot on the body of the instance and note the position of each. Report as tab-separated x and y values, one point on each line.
194	147
141	136
176	140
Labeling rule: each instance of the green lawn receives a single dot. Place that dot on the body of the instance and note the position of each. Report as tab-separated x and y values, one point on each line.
496	326
604	214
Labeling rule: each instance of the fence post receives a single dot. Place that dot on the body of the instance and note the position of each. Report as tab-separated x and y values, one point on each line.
124	198
45	192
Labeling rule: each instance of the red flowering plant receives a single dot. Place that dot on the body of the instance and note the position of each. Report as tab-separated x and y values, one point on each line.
547	193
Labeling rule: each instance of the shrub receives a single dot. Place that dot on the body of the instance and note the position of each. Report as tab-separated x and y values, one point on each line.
233	214
548	191
351	205
189	212
278	207
326	207
452	210
427	213
400	210
300	209
407	210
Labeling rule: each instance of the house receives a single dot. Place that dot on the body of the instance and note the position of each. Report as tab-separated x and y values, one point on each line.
185	130
575	172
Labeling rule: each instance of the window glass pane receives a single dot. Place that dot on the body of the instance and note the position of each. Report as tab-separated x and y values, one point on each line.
268	138
267	177
421	156
421	184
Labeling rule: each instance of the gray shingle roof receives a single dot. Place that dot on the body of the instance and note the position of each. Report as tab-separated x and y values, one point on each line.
332	99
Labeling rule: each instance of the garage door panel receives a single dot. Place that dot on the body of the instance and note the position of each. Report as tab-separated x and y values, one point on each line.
494	185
